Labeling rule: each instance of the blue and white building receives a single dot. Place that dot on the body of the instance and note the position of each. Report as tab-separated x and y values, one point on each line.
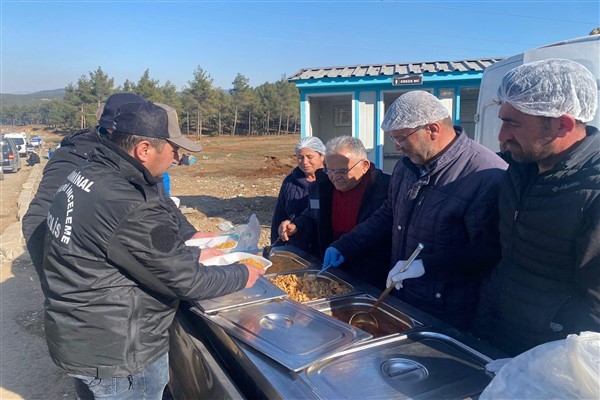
352	100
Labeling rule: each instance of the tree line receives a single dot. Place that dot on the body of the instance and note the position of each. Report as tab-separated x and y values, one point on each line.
271	108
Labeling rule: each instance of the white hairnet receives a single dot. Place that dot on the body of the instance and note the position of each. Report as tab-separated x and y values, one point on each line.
413	109
551	88
311	142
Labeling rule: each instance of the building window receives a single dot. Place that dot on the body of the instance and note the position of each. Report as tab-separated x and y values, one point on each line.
342	116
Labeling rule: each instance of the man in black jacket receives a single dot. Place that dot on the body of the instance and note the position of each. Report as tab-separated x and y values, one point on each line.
347	192
74	150
116	265
547	284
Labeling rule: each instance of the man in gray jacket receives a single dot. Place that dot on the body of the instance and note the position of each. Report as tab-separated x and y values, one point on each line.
116	265
444	194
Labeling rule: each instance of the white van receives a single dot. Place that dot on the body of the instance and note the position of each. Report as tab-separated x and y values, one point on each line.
585	50
20	139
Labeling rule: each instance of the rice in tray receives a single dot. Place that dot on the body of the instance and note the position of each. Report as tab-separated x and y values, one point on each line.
308	287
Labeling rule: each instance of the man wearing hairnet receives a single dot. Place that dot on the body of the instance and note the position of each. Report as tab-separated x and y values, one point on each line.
547	284
443	193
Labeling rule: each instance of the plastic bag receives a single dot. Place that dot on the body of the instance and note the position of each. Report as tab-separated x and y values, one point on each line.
564	369
249	235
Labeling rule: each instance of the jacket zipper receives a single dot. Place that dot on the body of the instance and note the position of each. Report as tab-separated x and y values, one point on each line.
415	204
517	211
133	331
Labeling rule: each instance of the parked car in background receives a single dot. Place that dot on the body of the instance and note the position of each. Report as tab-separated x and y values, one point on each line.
11	160
36	141
20	140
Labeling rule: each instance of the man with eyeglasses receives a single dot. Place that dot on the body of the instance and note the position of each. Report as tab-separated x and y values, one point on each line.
347	191
444	194
116	264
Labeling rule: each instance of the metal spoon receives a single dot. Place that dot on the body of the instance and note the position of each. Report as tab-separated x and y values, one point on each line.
267	249
365	319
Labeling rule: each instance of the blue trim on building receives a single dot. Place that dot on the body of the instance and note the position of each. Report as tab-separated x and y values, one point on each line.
380	85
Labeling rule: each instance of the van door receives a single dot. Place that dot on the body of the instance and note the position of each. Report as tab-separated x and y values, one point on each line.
584	50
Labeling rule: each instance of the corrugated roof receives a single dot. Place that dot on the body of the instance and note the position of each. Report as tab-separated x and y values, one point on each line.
394	69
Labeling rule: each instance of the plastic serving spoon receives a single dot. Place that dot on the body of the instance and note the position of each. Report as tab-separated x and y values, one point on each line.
323	270
365	320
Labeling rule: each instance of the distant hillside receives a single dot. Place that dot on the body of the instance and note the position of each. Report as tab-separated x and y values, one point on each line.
30	98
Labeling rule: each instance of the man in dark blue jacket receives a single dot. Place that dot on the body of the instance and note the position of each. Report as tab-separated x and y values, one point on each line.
547	285
347	192
444	194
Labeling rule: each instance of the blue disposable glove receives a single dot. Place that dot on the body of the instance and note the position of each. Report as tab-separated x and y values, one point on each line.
332	257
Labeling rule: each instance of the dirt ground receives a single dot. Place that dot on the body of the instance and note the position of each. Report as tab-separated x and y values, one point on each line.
233	178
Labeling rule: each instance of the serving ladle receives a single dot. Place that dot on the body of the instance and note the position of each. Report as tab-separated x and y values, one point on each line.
365	320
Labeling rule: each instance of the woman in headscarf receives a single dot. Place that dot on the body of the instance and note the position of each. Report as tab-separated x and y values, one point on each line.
293	194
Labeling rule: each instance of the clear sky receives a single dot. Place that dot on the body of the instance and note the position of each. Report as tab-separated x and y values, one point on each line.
48	44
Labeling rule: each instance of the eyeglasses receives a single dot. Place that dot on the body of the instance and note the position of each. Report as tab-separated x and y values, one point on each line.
398	142
340	171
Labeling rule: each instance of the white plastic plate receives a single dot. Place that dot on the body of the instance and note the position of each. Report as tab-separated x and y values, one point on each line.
213	242
231	258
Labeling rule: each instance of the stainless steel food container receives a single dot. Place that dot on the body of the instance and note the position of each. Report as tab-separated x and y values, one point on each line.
286	261
419	365
390	320
261	291
324	277
289	332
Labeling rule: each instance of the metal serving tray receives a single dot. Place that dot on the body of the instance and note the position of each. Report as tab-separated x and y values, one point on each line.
262	290
390	321
286	261
419	365
324	277
289	332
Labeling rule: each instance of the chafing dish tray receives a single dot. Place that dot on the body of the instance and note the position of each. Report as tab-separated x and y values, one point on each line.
285	261
322	289
290	333
262	290
418	365
390	320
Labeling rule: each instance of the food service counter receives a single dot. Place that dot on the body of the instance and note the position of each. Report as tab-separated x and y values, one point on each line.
261	344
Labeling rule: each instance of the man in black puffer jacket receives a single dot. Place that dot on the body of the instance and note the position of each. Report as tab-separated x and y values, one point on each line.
444	194
347	192
548	282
